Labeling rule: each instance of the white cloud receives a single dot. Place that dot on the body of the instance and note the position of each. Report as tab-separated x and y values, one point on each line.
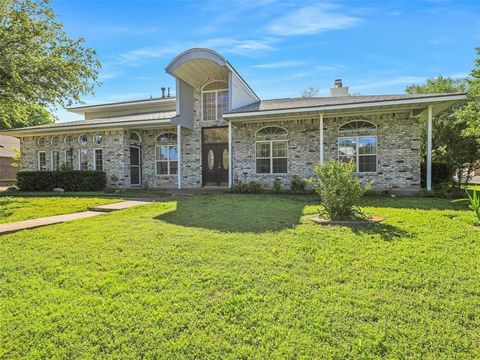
312	19
222	45
279	64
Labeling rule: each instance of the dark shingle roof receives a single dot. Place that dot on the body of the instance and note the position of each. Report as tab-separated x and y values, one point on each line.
292	103
160	115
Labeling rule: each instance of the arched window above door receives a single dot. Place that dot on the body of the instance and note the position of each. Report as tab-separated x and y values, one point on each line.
214	100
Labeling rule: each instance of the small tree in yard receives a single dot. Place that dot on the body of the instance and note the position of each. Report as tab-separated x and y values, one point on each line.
339	190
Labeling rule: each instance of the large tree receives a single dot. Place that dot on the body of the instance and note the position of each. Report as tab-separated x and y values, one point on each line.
452	144
470	113
40	66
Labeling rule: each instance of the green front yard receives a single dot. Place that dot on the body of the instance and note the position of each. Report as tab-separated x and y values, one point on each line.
17	208
244	276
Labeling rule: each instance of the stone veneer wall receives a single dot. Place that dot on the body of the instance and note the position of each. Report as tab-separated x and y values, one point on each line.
113	153
397	140
398	150
192	144
148	144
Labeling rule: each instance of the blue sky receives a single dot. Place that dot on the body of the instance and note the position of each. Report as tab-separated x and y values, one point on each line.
280	48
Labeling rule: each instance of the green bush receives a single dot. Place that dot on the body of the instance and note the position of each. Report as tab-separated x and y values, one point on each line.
474	200
298	186
72	180
277	186
441	174
338	189
253	187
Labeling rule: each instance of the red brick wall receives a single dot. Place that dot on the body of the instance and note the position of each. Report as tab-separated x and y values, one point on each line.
7	172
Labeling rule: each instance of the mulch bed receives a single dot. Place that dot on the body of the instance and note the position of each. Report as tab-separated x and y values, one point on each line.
352	223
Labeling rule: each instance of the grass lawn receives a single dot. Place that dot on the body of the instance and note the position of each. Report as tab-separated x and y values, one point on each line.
245	276
16	209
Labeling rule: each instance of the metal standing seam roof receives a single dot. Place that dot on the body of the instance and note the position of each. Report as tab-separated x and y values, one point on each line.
301	103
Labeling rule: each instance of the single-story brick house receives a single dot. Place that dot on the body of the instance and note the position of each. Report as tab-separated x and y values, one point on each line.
8	147
217	131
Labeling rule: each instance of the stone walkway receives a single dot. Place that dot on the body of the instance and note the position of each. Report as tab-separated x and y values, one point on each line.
57	219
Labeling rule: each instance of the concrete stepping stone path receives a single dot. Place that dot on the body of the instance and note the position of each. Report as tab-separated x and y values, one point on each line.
57	219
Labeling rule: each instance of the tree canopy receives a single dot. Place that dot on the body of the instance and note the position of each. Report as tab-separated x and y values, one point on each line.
452	143
470	113
309	92
40	66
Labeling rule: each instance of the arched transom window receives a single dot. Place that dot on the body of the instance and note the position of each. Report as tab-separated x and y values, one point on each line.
167	137
357	126
166	154
134	136
271	152
214	100
271	131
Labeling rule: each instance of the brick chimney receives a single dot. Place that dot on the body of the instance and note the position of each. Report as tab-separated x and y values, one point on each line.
339	89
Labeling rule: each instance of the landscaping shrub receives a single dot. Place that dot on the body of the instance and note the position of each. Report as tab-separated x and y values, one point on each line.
297	186
441	173
474	200
277	186
253	187
72	180
338	189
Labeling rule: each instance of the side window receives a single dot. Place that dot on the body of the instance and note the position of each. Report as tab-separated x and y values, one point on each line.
166	154
271	150
42	161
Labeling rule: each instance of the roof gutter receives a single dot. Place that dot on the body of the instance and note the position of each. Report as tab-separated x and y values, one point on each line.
83	109
53	129
426	100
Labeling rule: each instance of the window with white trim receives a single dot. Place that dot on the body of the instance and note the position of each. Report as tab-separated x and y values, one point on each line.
69	158
55	160
361	150
42	161
55	141
98	138
271	157
134	136
214	100
166	154
83	139
82	159
68	140
41	141
98	159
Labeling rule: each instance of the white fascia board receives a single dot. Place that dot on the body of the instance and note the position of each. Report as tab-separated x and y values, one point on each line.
127	104
427	100
72	128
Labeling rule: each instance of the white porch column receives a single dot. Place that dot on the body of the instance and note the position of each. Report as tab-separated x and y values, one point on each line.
230	165
429	148
321	139
179	156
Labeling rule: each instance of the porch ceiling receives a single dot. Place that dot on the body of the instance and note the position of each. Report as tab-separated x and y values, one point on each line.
199	66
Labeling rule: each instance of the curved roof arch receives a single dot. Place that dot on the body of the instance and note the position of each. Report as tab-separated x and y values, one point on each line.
199	66
195	53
